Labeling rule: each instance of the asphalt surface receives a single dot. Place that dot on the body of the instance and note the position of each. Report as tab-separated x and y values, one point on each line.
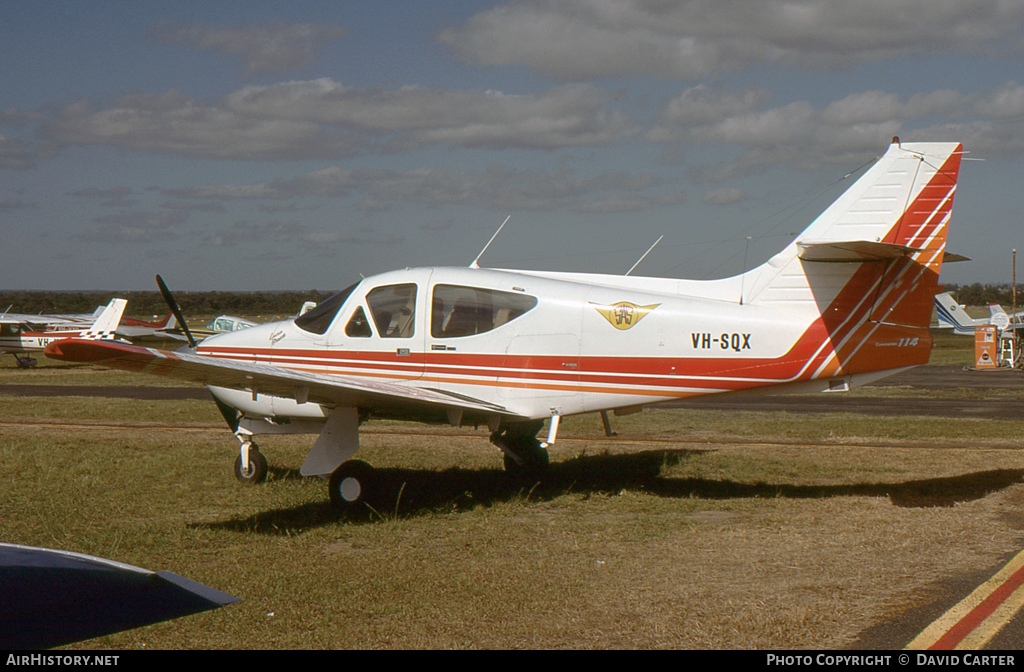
975	404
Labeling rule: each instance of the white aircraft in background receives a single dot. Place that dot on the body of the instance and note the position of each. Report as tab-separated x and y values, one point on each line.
23	334
223	323
847	302
952	315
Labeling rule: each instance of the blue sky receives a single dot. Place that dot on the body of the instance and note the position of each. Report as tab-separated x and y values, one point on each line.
244	145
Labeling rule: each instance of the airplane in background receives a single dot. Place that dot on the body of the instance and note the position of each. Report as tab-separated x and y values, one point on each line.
133	329
847	302
24	334
223	323
952	315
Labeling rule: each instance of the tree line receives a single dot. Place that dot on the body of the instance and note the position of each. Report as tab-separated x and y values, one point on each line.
977	294
266	305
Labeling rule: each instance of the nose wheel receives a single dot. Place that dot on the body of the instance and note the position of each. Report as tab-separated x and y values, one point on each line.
250	465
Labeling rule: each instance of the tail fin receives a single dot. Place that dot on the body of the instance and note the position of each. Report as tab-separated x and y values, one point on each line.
104	326
995	309
169	322
951	315
865	272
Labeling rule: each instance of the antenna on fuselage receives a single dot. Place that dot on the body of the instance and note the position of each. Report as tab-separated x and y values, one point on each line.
475	264
645	254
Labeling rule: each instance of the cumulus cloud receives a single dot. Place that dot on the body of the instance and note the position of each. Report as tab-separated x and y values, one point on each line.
243	232
274	47
564	116
323	119
134	227
846	131
174	123
585	39
15	117
15	203
496	187
726	196
16	154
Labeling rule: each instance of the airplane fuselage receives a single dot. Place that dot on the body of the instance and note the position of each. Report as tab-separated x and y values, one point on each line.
574	347
16	338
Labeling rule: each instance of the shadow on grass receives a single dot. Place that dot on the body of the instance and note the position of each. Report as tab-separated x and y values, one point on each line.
408	492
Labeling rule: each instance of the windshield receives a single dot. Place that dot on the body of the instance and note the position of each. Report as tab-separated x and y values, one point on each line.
317	320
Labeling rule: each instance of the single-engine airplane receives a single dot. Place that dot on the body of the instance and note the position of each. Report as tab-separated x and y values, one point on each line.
847	302
951	315
23	334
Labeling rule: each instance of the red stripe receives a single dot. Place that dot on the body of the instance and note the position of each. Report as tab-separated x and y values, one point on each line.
972	620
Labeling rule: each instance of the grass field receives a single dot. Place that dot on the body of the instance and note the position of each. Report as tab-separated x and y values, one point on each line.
694	529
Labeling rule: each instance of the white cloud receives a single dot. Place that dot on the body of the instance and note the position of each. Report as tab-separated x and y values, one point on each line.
173	123
1006	102
565	116
847	131
726	196
134	227
495	187
584	39
272	47
16	154
322	119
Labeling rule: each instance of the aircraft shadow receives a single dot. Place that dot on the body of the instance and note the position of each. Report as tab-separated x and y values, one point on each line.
410	492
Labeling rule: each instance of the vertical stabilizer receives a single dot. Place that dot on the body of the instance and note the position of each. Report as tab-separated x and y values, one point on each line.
104	326
865	272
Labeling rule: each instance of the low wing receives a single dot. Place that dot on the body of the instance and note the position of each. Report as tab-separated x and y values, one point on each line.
263	378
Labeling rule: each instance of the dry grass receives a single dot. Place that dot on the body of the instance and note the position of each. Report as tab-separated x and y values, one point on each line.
727	546
695	530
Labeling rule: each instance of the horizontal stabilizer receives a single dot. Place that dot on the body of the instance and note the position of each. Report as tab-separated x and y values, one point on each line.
949	257
852	251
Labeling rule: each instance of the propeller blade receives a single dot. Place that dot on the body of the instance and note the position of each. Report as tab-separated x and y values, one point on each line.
173	305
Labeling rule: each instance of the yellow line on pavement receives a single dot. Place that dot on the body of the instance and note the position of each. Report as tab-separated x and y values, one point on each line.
976	619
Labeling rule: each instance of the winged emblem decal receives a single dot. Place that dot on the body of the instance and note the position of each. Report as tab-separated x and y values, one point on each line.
624	315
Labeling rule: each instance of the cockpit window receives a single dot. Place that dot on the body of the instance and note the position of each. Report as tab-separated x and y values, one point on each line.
464	311
394	310
317	320
358	326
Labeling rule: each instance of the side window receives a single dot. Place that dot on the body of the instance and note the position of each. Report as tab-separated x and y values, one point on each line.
394	310
358	326
464	311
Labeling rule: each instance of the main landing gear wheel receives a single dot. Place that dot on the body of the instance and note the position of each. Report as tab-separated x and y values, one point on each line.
524	458
532	463
255	471
26	362
349	485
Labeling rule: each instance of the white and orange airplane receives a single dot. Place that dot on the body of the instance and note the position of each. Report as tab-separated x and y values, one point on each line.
21	335
847	302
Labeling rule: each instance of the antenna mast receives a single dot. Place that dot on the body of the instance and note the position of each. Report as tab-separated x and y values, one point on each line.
645	254
475	264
